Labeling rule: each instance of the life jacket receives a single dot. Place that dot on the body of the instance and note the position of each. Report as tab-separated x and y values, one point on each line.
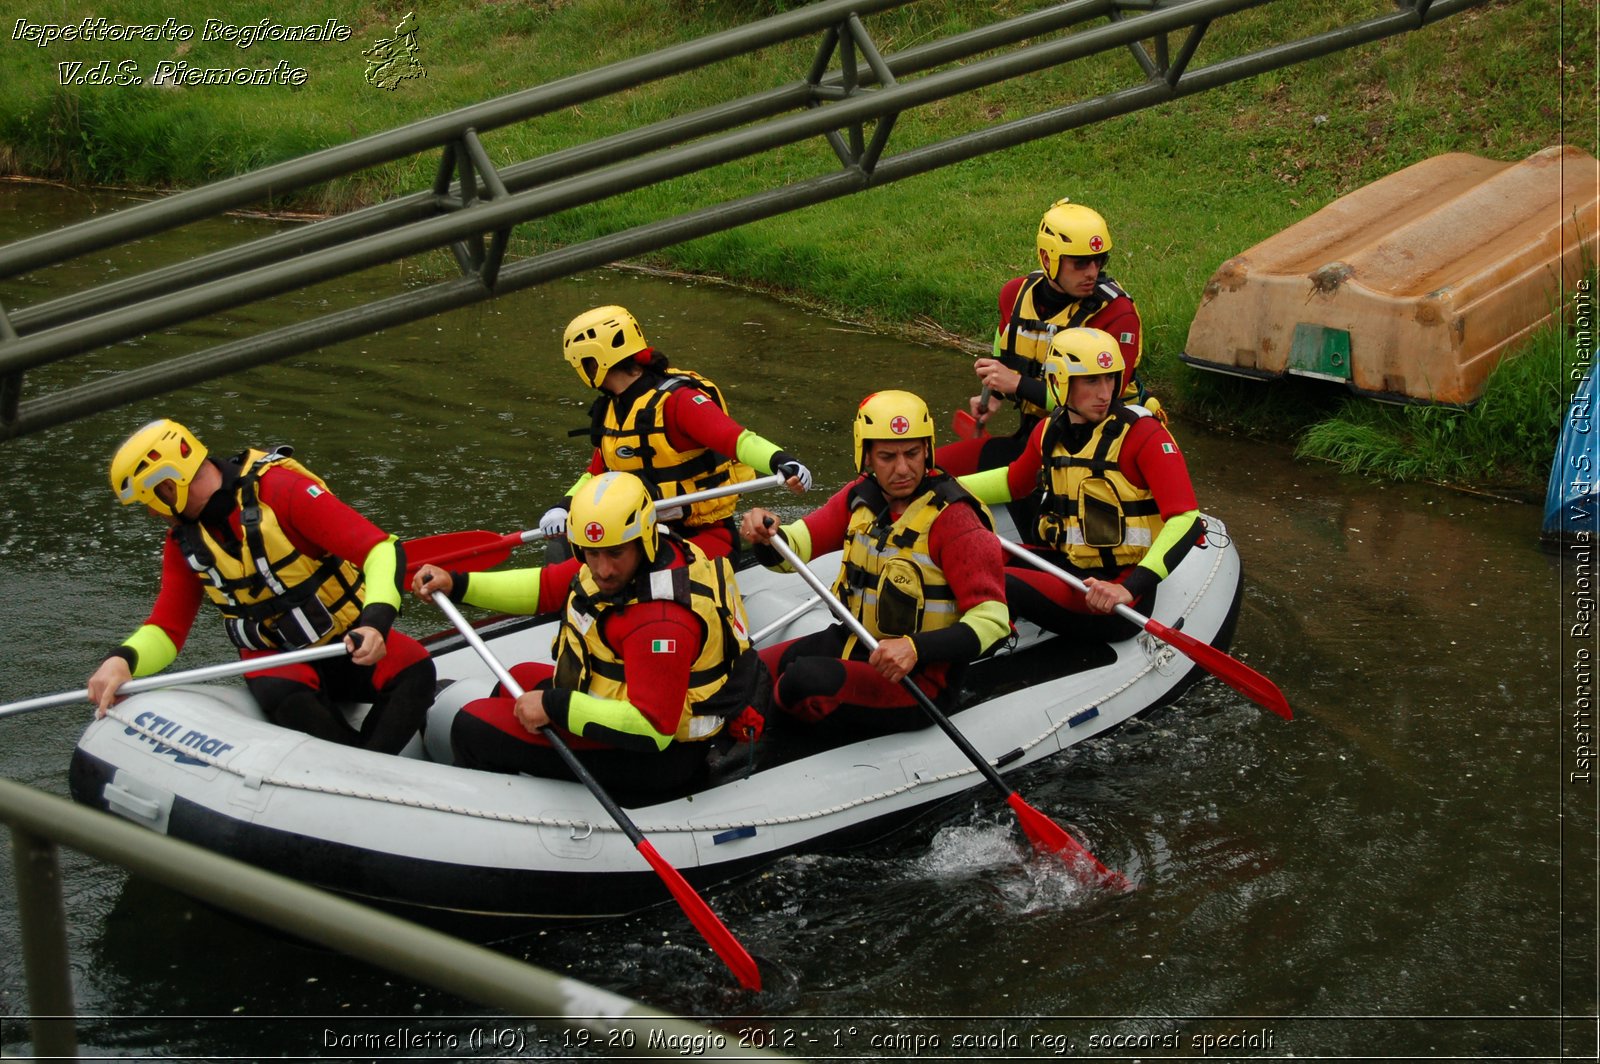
887	577
1025	341
1089	510
272	597
722	679
635	440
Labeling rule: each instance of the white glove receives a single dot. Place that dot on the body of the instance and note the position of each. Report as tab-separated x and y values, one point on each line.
554	522
790	467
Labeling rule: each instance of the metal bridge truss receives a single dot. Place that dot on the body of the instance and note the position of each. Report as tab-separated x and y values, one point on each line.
851	96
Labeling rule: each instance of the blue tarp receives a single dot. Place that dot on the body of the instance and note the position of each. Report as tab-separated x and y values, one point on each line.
1572	499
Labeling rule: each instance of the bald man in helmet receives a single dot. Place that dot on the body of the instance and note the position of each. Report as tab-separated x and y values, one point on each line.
288	565
652	660
921	572
1116	506
1071	288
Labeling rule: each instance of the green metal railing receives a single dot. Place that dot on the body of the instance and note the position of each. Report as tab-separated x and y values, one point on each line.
41	822
473	206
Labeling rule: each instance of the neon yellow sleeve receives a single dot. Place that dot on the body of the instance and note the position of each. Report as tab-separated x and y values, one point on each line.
379	570
991	620
506	591
154	647
623	723
990	486
755	451
799	536
1177	529
580	482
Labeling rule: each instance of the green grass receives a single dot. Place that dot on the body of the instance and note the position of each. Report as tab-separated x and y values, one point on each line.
1503	442
1184	185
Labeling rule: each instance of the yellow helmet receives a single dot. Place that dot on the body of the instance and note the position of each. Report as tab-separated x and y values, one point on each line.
1081	353
162	451
610	510
891	415
598	339
1069	228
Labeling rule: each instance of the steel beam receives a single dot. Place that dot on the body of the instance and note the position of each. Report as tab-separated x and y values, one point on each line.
455	215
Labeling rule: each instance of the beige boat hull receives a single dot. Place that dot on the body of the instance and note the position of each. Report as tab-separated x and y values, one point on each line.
1411	288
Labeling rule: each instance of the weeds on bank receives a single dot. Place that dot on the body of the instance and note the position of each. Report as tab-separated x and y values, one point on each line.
1504	440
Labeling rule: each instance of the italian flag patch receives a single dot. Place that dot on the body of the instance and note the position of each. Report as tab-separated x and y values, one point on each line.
1169	448
1126	338
663	646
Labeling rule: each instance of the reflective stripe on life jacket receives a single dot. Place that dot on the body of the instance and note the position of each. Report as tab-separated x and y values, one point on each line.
1090	511
272	597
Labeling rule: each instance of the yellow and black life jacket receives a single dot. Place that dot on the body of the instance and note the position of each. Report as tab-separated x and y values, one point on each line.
272	597
887	577
634	440
723	677
1025	341
1090	511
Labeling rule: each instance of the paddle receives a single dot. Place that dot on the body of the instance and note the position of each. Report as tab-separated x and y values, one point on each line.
967	427
488	549
171	679
694	907
1230	670
772	626
1046	835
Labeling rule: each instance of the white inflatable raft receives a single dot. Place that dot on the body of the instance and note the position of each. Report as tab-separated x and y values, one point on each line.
475	850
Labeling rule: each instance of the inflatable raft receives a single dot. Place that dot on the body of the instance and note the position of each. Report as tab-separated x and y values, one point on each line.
490	853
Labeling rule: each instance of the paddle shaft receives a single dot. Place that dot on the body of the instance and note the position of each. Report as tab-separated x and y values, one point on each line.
1044	833
514	689
850	621
772	626
683	502
983	409
490	541
694	907
200	675
1225	667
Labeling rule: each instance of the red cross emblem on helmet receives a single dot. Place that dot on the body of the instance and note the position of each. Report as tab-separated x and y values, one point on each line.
1095	243
900	425
1104	359
594	531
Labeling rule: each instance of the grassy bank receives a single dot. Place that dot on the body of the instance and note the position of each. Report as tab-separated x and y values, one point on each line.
1184	185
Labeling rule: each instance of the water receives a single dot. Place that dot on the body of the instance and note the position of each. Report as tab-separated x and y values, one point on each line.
1388	875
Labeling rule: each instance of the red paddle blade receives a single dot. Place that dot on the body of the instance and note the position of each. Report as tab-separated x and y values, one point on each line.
739	962
1230	670
1049	837
484	548
965	426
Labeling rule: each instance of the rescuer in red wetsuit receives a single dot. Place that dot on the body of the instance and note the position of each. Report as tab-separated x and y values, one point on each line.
289	566
921	571
1070	289
1116	507
668	426
652	660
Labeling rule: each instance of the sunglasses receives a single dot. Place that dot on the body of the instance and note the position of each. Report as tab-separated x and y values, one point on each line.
1081	262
